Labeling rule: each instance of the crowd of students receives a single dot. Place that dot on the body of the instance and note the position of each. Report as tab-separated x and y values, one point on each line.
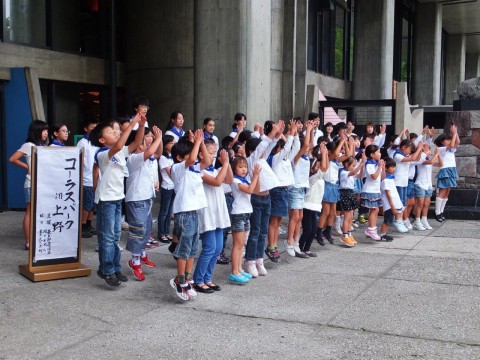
246	183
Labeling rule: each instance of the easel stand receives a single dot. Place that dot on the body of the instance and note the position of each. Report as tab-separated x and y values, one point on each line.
54	272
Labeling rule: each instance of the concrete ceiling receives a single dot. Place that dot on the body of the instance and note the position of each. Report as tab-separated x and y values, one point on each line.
462	17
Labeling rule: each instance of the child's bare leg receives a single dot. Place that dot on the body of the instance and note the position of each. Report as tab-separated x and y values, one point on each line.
372	217
238	242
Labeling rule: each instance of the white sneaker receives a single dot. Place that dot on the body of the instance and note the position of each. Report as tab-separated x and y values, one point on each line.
296	248
417	224
260	268
281	231
190	290
425	224
407	224
251	268
400	226
125	225
290	249
355	224
338	229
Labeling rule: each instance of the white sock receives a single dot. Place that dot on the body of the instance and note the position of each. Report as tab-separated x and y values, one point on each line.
438	205
338	220
144	253
424	218
136	259
417	219
443	205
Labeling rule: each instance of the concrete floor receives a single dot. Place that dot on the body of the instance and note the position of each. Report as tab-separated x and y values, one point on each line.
417	297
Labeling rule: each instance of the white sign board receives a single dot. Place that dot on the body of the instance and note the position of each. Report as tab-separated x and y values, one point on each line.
57	202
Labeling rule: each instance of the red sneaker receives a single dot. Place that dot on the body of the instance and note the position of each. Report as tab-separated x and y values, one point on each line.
136	270
147	262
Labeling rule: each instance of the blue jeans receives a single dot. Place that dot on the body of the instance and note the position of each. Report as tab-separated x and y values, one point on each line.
109	231
402	193
140	225
212	244
166	203
258	227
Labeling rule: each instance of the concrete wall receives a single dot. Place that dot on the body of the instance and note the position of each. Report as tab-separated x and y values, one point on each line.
427	45
59	66
301	17
472	66
455	66
373	50
330	86
288	73
276	67
160	57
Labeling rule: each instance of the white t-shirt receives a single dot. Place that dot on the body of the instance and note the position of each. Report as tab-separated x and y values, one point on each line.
189	193
89	151
268	179
241	200
314	195
26	149
136	125
346	181
177	134
110	186
424	174
402	169
139	183
215	215
282	161
389	184
331	175
316	135
371	186
448	157
301	172
167	182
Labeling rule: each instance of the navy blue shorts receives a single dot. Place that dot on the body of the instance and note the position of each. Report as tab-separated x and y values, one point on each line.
88	196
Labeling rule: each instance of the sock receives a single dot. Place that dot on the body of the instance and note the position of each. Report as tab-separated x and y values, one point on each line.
443	205
349	234
89	223
188	276
424	218
438	205
417	219
84	227
345	235
382	234
136	259
338	220
144	254
181	279
319	233
327	230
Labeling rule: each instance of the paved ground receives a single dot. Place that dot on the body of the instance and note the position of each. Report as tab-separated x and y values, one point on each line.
417	297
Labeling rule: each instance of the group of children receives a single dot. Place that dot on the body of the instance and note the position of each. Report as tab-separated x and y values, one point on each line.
246	184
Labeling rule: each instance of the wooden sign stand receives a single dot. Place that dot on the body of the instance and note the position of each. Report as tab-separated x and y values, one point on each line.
43	264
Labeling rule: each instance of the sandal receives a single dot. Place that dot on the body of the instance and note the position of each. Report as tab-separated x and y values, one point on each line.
214	287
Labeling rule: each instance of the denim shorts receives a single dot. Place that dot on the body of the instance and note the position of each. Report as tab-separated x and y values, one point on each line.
296	198
421	193
331	194
279	198
185	228
240	222
410	190
88	196
26	194
402	193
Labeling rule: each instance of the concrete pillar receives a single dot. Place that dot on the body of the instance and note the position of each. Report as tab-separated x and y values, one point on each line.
276	67
373	50
301	17
288	74
472	66
427	45
160	57
454	66
232	60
